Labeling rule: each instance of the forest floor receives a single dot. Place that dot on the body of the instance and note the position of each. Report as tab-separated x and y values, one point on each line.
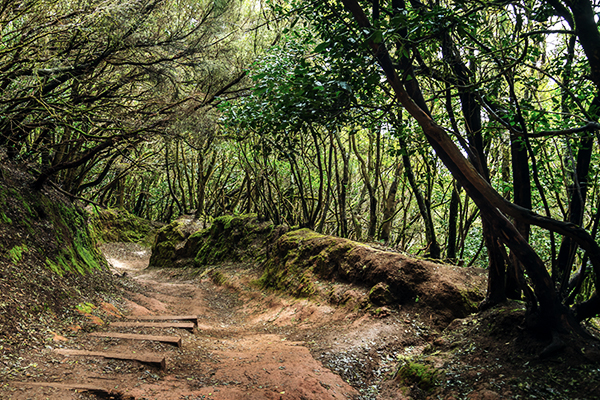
255	345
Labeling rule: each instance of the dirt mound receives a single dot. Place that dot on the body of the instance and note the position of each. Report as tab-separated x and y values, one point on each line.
491	355
49	264
302	257
52	277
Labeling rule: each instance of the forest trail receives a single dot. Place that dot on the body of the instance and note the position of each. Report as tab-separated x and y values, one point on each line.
248	345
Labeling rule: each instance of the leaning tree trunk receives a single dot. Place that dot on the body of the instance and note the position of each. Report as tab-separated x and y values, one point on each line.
553	314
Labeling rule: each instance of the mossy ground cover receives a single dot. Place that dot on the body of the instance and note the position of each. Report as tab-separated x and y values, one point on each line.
49	262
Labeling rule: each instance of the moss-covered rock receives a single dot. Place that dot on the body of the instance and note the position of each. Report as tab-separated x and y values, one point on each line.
168	239
118	225
380	295
422	375
229	238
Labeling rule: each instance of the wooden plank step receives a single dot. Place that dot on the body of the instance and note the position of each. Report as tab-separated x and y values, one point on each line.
191	318
83	387
151	359
181	325
174	340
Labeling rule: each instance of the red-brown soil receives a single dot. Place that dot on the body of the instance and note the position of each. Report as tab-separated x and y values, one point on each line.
256	345
244	346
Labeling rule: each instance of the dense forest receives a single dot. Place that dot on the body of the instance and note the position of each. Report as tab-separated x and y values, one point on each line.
463	131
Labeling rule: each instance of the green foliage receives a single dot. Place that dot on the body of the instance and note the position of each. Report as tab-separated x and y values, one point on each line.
297	83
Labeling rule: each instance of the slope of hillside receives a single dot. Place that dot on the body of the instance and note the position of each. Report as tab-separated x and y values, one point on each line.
51	273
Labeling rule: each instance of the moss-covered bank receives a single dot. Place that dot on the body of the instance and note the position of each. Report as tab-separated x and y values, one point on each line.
49	261
46	228
301	257
229	238
118	225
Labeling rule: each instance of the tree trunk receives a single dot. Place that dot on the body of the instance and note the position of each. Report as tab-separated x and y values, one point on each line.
433	249
452	224
471	110
343	186
389	210
577	198
370	191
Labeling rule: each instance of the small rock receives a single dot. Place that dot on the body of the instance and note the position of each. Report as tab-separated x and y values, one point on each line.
59	338
380	295
381	312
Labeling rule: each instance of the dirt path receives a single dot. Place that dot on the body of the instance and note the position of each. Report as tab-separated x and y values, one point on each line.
248	345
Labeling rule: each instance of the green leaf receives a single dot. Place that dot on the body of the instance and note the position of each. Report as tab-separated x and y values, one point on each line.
321	47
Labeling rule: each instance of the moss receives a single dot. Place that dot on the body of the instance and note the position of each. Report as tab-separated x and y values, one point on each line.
380	295
28	209
118	225
77	252
302	256
297	237
471	299
292	276
219	278
424	376
4	218
54	267
85	308
230	238
227	221
16	253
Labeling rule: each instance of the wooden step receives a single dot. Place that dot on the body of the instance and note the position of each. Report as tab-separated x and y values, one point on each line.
150	359
181	325
191	318
81	387
174	340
